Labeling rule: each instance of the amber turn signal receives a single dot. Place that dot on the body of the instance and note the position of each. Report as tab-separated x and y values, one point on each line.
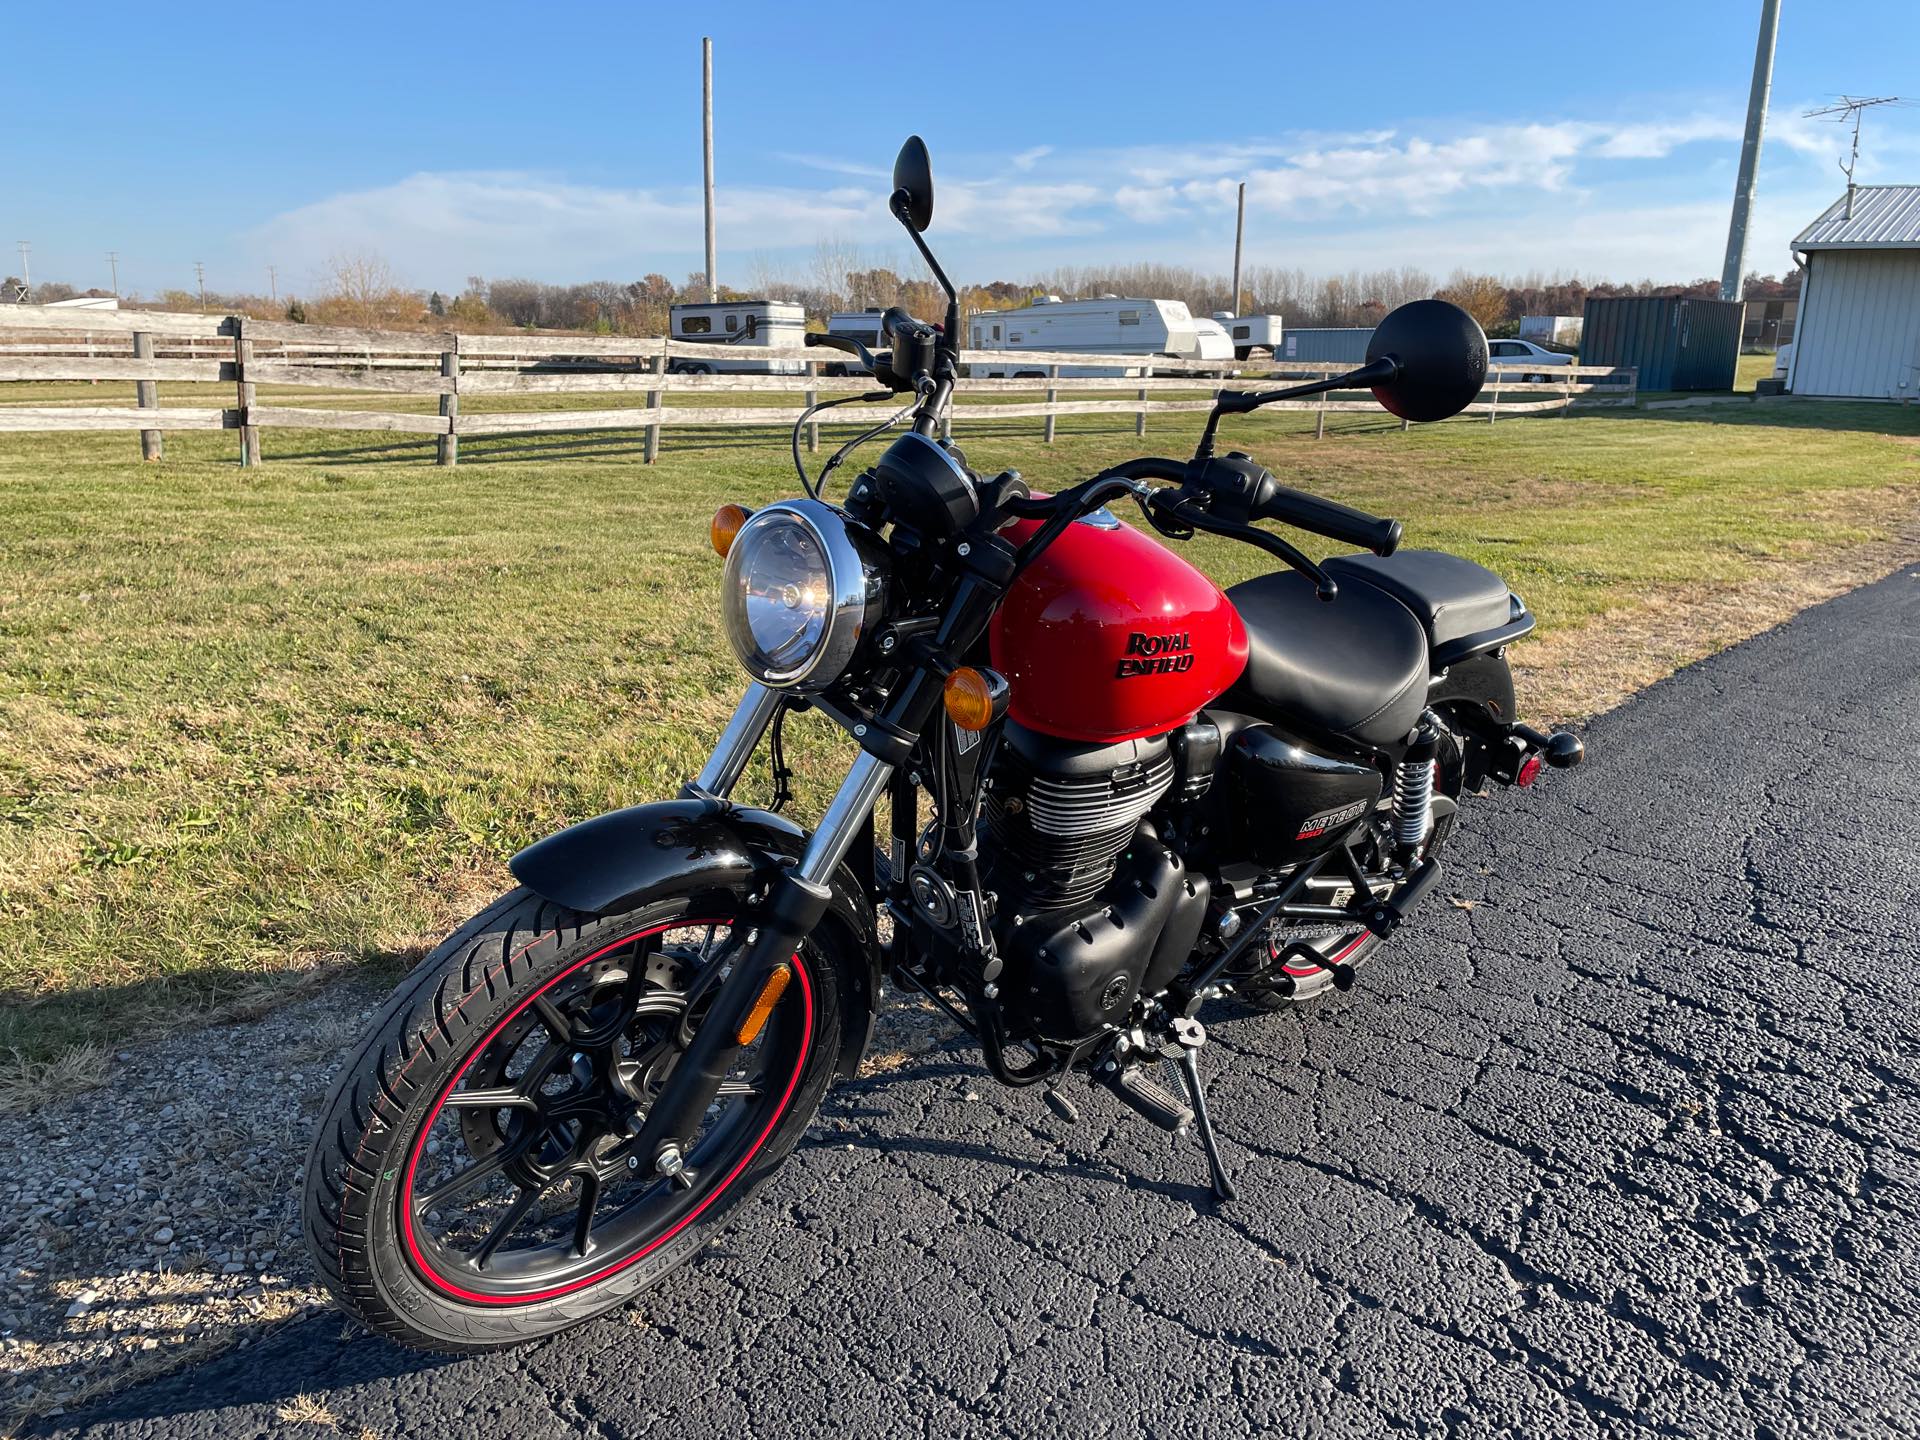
727	521
970	696
770	993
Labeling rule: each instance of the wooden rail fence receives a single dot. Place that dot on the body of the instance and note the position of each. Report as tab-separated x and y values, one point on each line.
329	363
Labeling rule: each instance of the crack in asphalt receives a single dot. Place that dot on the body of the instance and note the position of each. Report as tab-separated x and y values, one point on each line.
1630	1147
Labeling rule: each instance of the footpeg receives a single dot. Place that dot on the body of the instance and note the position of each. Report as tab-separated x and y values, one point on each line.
1133	1085
1385	916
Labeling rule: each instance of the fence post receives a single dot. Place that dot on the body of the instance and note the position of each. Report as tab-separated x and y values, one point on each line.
1053	398
1140	416
811	397
1320	420
449	443
1567	403
146	396
1493	411
659	402
242	357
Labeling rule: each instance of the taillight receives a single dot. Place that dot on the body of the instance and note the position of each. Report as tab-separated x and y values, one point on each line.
1529	771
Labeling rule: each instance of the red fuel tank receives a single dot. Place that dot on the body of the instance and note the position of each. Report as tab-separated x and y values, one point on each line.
1110	636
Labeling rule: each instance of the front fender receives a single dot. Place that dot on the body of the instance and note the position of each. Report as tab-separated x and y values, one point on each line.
629	858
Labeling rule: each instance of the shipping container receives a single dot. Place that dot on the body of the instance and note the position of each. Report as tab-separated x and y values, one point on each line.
1676	342
1345	347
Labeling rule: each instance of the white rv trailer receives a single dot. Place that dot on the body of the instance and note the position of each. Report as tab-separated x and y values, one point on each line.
748	324
1251	332
1111	325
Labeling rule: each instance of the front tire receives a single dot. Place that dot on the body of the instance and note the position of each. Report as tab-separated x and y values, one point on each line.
468	1189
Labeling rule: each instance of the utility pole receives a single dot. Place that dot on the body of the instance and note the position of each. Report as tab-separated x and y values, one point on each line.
113	259
1732	272
273	284
26	271
706	126
1239	230
200	279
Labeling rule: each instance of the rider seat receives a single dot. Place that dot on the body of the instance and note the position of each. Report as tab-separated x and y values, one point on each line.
1352	668
1454	599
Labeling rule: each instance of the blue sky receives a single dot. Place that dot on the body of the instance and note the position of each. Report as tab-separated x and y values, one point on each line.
562	142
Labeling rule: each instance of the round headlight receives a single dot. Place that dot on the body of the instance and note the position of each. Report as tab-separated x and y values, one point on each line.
799	593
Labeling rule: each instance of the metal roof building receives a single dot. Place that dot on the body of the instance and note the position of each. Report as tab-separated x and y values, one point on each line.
1858	332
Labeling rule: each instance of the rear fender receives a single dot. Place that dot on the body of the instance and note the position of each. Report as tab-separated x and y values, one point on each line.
1484	685
705	851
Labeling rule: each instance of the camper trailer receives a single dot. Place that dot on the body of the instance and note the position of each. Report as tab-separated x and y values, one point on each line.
1111	325
1251	332
748	324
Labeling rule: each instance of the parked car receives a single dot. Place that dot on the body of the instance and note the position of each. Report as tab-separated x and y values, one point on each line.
1783	362
1518	354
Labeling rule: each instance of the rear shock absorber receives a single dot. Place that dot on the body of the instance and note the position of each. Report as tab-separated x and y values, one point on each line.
1413	790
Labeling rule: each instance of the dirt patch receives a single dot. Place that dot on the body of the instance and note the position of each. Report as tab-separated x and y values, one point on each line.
1582	670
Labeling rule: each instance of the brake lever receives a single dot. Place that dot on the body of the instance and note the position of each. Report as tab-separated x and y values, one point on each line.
843	343
1323	583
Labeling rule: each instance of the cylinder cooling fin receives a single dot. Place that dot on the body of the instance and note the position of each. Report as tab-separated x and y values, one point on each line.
1061	813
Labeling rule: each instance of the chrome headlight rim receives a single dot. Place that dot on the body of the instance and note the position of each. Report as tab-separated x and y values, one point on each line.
855	584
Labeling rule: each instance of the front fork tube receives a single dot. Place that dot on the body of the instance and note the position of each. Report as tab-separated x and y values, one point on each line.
795	903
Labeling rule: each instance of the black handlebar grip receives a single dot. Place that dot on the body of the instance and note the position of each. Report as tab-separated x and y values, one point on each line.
1333	520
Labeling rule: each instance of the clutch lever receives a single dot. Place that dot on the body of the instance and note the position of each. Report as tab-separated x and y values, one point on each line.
1178	507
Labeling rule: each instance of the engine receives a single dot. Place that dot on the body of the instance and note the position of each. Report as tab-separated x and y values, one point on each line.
1060	814
1091	904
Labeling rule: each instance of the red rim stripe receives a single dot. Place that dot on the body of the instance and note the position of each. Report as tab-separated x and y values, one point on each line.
413	1160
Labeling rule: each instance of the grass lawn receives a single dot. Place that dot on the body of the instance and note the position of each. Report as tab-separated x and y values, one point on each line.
256	722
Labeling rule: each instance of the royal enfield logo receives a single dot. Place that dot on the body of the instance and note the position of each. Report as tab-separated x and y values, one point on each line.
1156	655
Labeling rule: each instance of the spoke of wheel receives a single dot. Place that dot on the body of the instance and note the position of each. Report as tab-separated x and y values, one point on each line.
553	1018
503	1227
481	1169
497	1097
583	1221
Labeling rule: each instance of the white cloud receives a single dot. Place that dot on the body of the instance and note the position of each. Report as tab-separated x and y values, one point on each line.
1609	199
440	227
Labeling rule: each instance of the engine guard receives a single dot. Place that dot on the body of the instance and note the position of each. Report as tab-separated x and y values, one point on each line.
700	848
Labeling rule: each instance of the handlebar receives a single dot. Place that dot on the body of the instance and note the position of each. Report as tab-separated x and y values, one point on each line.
1331	519
1277	502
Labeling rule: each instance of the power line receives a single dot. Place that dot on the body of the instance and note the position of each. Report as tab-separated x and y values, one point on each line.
113	259
200	278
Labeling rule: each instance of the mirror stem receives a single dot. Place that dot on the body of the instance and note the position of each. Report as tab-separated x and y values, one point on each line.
1240	402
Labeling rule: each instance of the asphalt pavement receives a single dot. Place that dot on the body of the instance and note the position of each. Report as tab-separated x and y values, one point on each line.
1622	1139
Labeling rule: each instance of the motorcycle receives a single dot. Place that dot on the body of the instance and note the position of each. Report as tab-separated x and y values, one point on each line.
1113	795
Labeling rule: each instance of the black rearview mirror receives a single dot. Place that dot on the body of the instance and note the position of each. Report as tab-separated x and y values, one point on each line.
912	200
1442	355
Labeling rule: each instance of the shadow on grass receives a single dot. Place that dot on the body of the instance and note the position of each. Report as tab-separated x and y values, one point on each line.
1865	417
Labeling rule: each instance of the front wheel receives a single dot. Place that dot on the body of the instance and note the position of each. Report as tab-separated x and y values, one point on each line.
473	1185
